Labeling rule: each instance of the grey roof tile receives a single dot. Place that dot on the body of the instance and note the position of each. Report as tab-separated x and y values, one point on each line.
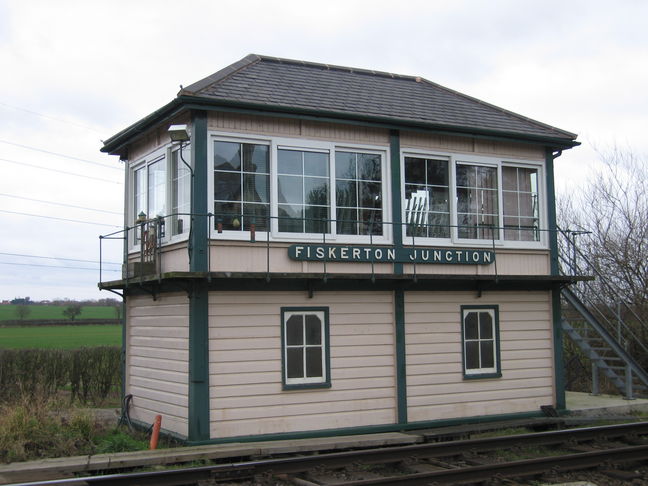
284	83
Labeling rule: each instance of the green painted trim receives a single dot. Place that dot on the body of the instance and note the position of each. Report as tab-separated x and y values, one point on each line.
551	211
498	358
327	349
401	355
370	429
559	364
199	423
396	196
199	225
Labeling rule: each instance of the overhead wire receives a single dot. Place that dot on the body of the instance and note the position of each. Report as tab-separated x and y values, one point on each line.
59	219
59	204
32	112
61	171
57	258
49	152
57	266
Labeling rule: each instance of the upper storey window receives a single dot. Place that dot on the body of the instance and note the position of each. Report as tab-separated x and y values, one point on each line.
298	189
241	185
463	200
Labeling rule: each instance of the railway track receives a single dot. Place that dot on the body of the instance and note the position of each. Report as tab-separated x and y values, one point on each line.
454	462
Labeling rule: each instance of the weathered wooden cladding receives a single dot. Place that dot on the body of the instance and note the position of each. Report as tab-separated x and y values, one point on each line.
435	384
157	350
245	364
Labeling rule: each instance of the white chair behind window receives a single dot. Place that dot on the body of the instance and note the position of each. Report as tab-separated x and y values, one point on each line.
417	207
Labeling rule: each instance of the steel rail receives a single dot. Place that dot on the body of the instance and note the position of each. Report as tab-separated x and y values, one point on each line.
366	456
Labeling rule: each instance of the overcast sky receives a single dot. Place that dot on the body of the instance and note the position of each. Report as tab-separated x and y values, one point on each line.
76	72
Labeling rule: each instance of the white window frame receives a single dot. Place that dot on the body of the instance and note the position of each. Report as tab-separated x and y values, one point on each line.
315	381
152	157
276	143
495	370
472	159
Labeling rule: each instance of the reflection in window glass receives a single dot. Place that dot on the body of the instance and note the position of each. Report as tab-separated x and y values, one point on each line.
241	185
180	193
477	202
427	204
520	204
358	193
303	191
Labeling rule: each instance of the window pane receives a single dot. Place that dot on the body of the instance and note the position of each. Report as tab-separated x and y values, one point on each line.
486	177
472	355
369	167
437	172
295	330
291	190
485	326
345	165
509	179
466	176
487	354
369	193
291	218
227	186
295	362
316	164
256	214
316	190
313	329
255	158
289	162
255	188
227	156
314	362
316	219
346	193
470	329
414	170
347	221
371	222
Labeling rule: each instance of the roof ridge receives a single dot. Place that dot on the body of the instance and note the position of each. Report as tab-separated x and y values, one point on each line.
335	67
220	75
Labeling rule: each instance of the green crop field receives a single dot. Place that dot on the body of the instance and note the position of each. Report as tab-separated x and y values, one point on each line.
55	312
60	337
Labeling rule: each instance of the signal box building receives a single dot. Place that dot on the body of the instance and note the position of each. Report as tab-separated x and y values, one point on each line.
318	250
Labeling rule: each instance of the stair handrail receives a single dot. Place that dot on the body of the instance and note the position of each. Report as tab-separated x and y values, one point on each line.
576	270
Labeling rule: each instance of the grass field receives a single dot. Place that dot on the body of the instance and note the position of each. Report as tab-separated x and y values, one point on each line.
60	337
8	312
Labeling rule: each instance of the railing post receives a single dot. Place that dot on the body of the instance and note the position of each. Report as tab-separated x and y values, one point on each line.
628	384
595	379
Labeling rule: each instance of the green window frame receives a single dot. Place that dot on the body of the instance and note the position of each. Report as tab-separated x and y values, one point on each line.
305	353
480	341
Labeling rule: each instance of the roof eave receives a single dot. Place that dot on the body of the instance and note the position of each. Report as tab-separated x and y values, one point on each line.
115	145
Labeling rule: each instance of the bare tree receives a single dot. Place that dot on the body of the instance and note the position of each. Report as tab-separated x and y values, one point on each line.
72	311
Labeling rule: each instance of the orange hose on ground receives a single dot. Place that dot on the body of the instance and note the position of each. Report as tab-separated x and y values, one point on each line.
155	435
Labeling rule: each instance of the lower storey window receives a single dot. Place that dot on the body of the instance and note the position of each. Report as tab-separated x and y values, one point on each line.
305	347
480	336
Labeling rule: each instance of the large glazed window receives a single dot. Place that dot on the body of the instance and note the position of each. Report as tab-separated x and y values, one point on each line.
427	202
157	174
358	193
477	202
520	204
180	193
303	191
241	185
305	347
480	332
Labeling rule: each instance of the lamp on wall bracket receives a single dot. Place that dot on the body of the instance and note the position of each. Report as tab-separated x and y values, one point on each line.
180	133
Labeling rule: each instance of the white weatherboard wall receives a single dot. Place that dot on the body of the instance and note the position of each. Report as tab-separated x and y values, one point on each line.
246	396
158	359
435	385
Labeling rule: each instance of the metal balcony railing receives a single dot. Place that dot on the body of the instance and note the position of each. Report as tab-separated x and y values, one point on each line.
144	242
